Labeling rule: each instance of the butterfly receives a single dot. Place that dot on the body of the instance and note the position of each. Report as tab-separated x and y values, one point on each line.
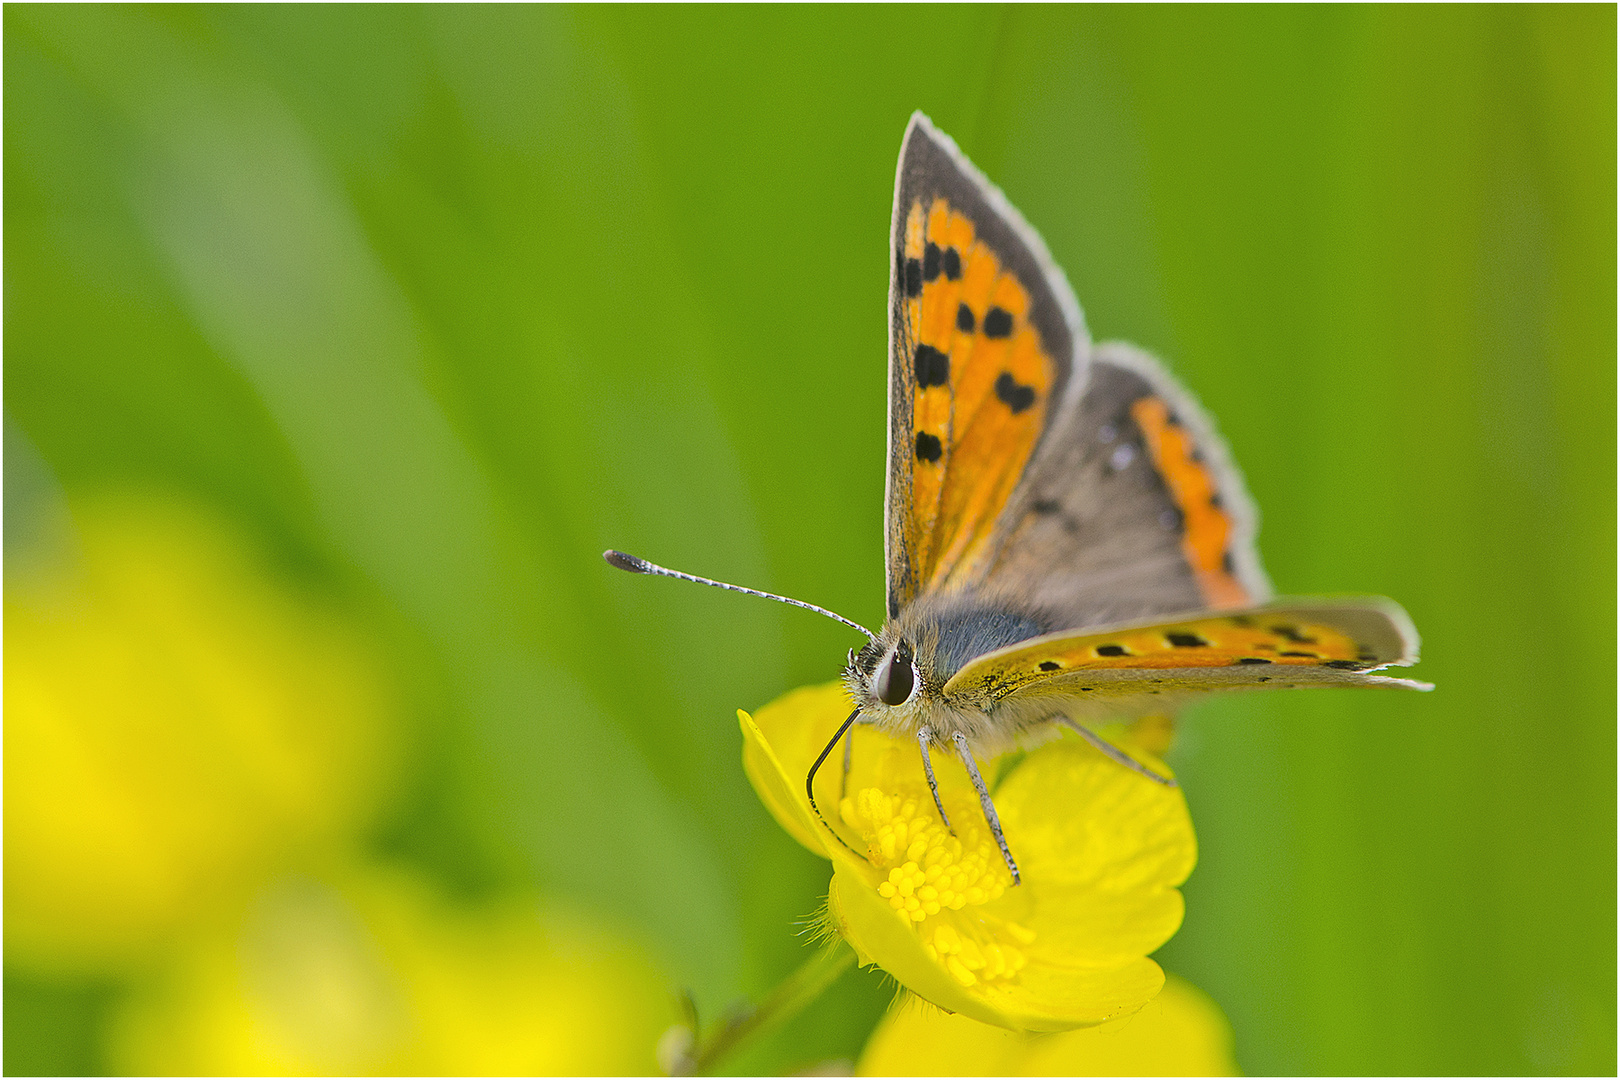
1066	539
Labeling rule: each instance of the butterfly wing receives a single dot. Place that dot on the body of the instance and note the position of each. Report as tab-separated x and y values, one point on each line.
1037	483
1147	666
1132	508
986	345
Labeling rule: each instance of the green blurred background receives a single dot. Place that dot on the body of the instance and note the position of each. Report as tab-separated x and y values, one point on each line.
431	305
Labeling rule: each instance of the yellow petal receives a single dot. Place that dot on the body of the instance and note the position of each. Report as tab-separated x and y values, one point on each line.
782	739
1080	926
1179	1033
375	973
1084	820
179	719
1046	998
880	935
774	786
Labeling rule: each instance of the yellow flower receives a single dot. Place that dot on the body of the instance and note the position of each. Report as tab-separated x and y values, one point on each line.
1101	849
375	974
1179	1033
178	724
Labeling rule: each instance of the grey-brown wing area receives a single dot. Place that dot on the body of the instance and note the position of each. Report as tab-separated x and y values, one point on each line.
1093	535
931	166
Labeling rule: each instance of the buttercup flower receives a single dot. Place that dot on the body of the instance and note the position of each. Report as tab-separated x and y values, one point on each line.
179	722
372	972
1101	849
1179	1033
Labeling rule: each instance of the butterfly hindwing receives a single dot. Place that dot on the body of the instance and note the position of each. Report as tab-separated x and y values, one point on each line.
1291	644
1131	508
984	336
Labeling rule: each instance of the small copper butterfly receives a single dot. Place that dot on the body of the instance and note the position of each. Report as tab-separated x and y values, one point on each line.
1066	539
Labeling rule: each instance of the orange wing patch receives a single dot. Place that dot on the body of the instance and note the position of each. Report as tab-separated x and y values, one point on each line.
1207	527
1255	640
982	380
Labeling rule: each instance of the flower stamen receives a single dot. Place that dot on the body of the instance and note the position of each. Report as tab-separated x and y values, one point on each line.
931	872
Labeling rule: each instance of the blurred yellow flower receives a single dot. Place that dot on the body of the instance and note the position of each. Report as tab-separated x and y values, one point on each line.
1179	1033
377	975
177	724
1102	852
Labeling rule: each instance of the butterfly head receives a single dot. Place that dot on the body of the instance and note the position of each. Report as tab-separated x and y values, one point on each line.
899	677
892	678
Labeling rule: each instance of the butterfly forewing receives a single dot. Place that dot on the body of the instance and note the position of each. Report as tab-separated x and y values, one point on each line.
983	334
1308	643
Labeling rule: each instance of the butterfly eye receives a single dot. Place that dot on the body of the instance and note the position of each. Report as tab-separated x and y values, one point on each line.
895	679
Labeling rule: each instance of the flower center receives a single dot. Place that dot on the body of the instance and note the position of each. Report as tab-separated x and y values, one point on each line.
933	875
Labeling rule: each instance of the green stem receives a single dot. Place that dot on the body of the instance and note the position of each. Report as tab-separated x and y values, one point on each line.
792	994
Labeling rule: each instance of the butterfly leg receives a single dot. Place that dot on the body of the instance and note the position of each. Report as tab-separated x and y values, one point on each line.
810	780
924	737
1111	751
984	801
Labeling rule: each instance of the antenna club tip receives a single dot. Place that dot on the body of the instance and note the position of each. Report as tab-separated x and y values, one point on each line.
628	563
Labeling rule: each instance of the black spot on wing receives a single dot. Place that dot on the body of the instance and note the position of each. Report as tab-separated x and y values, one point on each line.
929	448
1110	650
1012	393
1292	634
930	267
1050	508
929	171
998	323
964	318
1050	665
951	264
1185	641
1343	665
933	367
912	275
1254	660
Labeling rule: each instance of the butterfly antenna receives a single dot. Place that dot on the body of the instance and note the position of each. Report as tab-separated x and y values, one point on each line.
633	565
